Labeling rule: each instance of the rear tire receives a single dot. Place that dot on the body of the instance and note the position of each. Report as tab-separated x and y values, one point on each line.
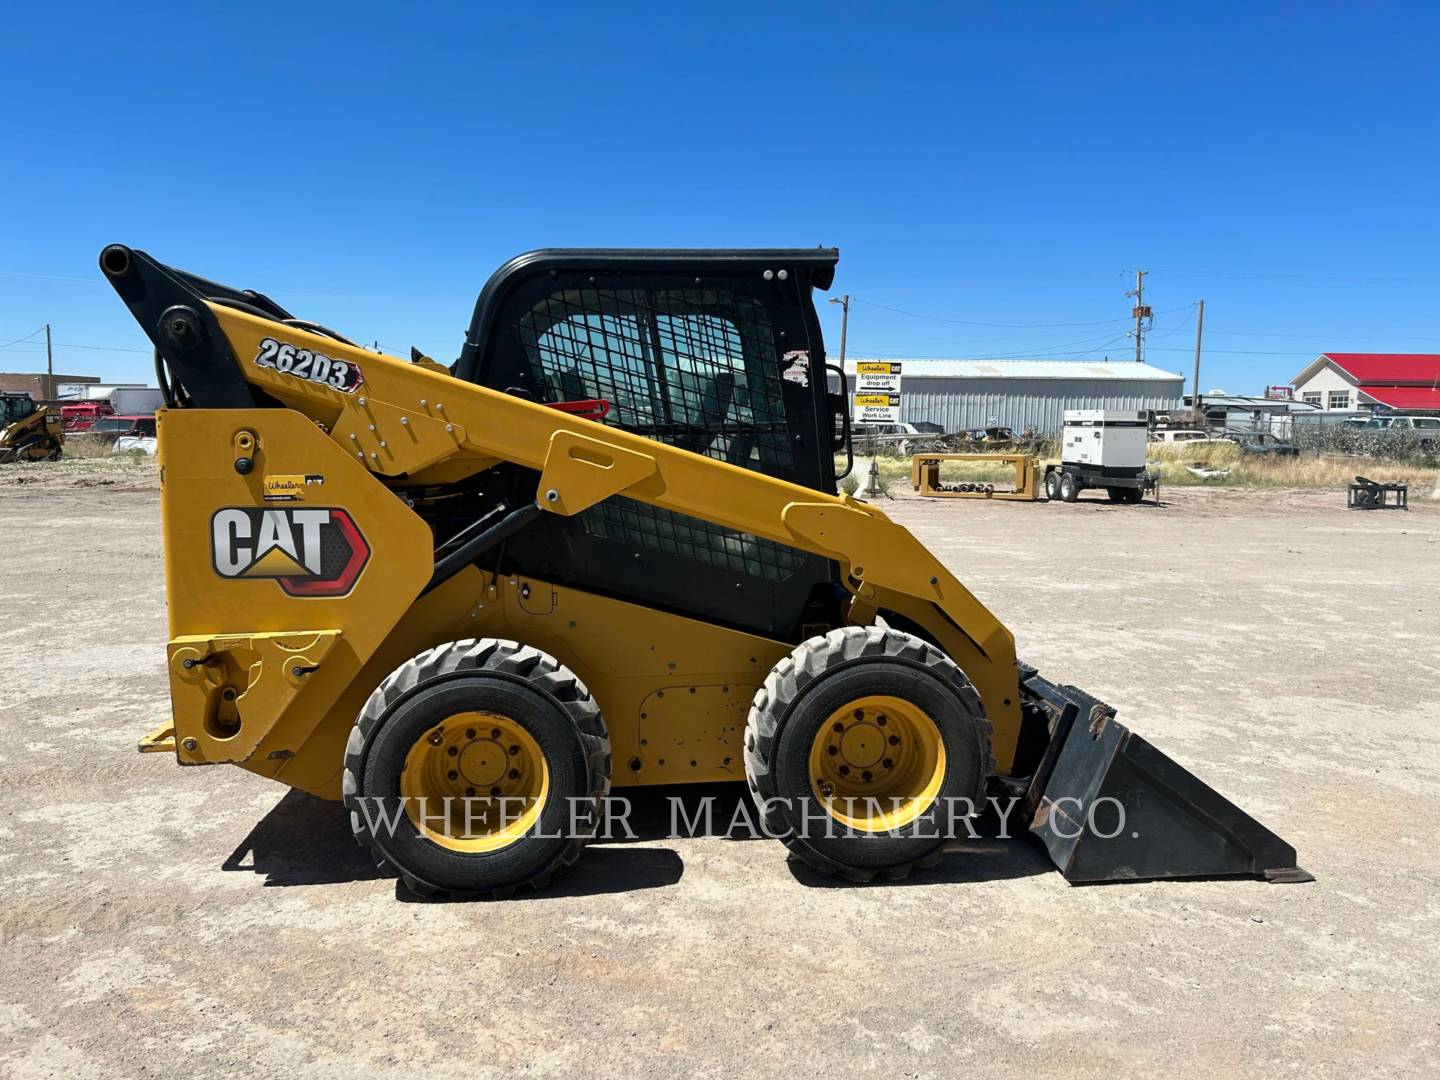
1069	487
477	723
914	727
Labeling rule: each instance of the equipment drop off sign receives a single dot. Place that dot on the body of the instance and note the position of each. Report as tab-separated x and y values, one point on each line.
876	399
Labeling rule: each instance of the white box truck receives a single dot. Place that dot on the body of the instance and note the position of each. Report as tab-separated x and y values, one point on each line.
1101	448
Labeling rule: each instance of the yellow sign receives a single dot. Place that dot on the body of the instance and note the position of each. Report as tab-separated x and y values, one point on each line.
290	487
881	401
876	367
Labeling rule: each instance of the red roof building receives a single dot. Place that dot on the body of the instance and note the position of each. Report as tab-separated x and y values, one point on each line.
1354	382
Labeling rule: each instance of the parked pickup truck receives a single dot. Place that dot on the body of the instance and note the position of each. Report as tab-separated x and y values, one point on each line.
1424	430
111	428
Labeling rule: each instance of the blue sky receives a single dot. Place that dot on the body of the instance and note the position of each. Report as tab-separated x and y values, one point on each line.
981	164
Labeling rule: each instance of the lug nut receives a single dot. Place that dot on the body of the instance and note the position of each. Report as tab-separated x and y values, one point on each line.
437	739
859	714
832	750
844	770
514	774
894	740
453	775
495	791
889	763
880	720
514	750
453	751
867	776
839	728
470	791
470	733
495	733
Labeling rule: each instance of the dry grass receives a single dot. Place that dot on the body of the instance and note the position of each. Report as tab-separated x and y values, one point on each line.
1332	471
80	445
1306	471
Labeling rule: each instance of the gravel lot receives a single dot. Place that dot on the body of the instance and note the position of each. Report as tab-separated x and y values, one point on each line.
159	920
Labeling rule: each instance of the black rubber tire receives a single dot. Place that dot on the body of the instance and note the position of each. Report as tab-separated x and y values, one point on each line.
1052	486
536	691
799	694
1069	487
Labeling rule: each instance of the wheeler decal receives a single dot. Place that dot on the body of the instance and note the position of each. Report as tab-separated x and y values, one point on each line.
309	365
291	487
309	552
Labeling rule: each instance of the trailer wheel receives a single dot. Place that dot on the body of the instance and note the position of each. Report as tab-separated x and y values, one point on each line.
1052	485
863	749
477	767
1069	487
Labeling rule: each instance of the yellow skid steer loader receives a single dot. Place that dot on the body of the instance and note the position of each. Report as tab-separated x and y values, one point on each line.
603	549
28	432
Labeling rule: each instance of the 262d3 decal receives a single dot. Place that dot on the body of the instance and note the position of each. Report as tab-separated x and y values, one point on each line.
317	551
309	365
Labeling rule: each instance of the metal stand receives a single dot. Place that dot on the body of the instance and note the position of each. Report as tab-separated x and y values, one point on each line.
1368	495
872	488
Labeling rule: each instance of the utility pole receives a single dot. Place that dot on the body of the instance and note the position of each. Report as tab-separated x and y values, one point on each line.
1141	312
1199	333
49	368
844	303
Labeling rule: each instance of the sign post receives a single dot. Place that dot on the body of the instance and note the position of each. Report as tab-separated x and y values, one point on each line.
876	398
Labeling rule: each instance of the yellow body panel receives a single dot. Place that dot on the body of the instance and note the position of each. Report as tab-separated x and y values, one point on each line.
674	691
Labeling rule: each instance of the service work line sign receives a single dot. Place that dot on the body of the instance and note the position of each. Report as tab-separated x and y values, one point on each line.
876	398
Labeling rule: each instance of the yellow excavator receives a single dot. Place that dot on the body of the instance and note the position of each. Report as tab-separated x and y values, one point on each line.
602	549
28	432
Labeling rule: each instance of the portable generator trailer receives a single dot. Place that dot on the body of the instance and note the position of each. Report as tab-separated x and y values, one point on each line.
1102	448
603	549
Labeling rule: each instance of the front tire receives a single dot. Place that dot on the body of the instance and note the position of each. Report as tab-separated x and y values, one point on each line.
1052	486
476	768
1069	487
859	748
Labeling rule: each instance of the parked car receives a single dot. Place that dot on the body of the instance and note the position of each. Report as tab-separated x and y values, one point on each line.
991	435
129	444
906	439
1423	430
1262	443
1180	436
110	428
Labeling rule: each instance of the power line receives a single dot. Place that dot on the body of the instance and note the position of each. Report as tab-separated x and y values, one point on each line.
27	337
97	280
1236	352
1291	276
70	345
992	325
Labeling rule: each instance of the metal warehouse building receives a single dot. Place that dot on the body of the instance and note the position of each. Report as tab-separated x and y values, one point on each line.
1023	394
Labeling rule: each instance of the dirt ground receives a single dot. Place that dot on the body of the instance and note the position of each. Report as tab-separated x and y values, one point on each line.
159	920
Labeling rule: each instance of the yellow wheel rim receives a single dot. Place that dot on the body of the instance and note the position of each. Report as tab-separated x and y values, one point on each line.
877	764
477	782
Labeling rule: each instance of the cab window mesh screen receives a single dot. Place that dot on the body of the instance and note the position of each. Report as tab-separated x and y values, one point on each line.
692	367
695	368
666	533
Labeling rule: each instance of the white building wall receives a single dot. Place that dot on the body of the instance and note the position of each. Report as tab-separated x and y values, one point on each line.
1327	380
1037	404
